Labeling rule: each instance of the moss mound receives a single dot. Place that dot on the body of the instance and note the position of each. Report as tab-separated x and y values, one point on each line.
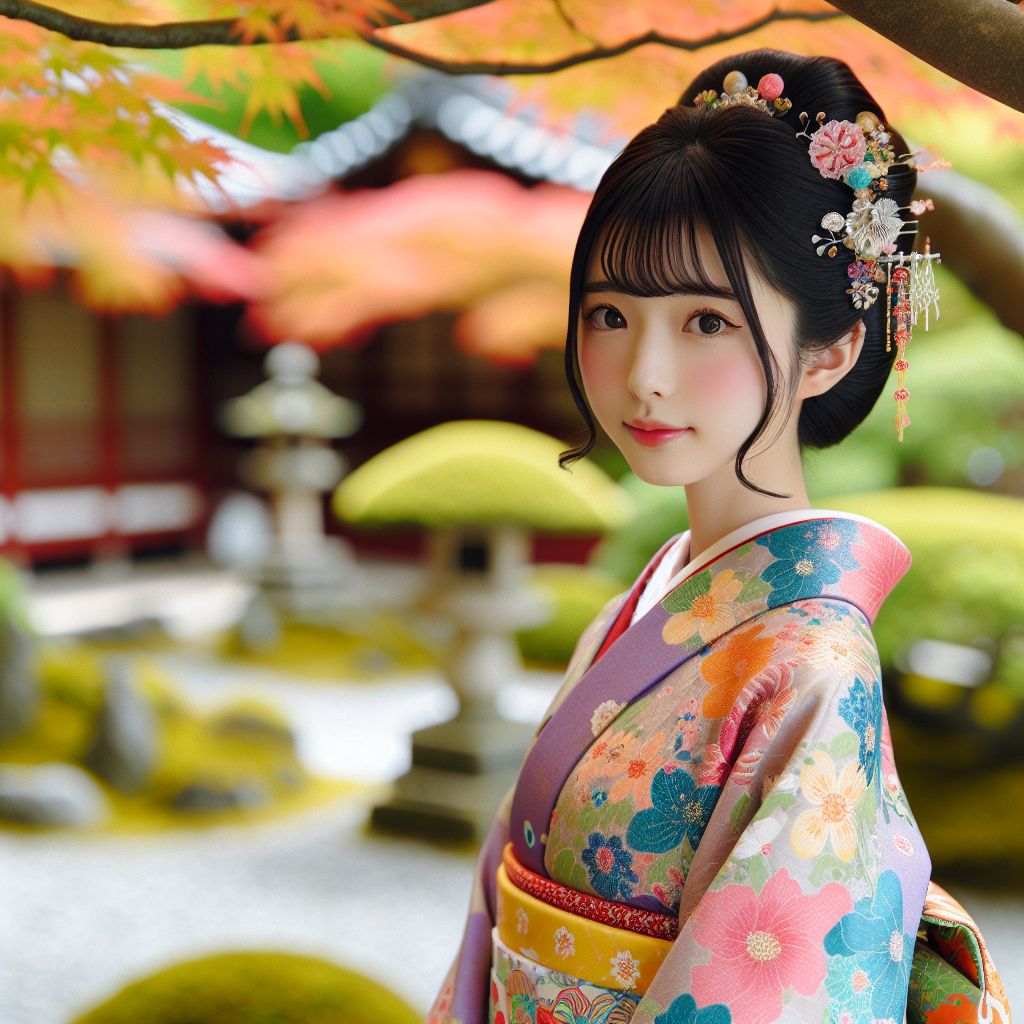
253	988
478	473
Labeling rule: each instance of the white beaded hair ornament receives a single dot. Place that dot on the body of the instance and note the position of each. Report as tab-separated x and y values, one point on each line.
860	153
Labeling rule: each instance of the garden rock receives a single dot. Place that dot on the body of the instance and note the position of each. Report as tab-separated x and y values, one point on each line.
214	796
124	749
240	722
58	795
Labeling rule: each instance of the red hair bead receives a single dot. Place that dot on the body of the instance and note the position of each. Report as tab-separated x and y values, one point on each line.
770	87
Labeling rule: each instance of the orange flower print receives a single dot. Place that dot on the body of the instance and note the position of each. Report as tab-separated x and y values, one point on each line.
637	769
729	668
604	759
834	799
707	608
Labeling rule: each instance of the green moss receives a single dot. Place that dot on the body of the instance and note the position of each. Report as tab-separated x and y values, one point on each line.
577	593
253	988
193	747
384	645
480	473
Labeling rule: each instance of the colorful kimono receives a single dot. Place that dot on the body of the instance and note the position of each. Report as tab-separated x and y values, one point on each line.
708	827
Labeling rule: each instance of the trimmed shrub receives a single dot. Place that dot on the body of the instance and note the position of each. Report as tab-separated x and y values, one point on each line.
253	988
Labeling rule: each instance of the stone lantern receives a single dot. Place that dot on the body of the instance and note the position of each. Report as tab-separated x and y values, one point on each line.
294	418
481	489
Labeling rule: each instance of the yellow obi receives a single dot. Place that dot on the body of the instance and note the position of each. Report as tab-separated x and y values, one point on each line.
616	958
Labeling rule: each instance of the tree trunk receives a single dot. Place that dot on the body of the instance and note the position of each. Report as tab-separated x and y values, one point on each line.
981	238
977	42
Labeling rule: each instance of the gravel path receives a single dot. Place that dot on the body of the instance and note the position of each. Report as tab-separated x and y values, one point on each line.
79	917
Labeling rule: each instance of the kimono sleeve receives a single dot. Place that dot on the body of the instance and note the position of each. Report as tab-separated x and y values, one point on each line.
462	998
803	897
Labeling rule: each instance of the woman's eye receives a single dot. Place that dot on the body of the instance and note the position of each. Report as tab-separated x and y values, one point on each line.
605	318
710	323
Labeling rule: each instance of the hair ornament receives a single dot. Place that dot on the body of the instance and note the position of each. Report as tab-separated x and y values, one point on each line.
767	97
860	153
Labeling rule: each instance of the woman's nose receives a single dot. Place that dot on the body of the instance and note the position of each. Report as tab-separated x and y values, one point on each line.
651	369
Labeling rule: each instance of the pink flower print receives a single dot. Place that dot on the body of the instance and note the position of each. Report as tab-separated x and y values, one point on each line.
768	697
902	845
715	769
636	770
764	943
834	799
836	147
763	701
565	943
669	894
625	968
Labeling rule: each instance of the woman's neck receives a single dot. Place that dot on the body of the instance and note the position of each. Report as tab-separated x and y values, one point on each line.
720	504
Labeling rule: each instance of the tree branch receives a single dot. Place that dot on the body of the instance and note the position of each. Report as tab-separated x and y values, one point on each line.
180	35
491	67
977	42
981	238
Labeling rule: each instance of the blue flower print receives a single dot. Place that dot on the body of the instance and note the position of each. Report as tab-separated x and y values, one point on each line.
873	933
684	1011
808	556
599	796
609	866
861	710
681	810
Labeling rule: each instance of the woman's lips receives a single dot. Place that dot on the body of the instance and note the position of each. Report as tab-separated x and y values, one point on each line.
653	438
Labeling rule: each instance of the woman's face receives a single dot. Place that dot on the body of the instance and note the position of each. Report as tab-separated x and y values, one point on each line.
687	361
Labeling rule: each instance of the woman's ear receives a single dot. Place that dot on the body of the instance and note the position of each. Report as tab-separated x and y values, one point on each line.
828	366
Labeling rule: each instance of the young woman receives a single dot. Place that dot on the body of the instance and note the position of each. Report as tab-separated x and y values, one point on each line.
708	827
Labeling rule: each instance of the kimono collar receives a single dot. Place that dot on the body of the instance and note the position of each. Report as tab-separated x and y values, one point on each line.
834	555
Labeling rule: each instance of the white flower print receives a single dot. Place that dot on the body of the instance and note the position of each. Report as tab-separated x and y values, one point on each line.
565	943
625	968
522	921
756	837
603	715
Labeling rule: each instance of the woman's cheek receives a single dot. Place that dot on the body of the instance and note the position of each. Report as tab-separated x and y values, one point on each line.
599	372
727	379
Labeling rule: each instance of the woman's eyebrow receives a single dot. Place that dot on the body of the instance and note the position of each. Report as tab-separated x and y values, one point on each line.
716	291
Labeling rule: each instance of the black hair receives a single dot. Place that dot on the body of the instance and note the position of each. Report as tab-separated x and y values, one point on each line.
746	178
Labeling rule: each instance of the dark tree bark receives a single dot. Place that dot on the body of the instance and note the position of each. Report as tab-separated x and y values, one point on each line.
977	42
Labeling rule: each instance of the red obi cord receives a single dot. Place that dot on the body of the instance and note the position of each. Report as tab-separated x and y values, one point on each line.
618	915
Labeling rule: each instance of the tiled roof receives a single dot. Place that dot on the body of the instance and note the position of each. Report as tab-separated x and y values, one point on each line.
473	111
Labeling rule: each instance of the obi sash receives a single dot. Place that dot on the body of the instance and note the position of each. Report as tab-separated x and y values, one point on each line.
951	967
586	945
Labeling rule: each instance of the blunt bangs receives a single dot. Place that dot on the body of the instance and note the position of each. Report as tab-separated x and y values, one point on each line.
643	222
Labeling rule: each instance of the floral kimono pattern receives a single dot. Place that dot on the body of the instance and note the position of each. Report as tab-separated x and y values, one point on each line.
725	760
